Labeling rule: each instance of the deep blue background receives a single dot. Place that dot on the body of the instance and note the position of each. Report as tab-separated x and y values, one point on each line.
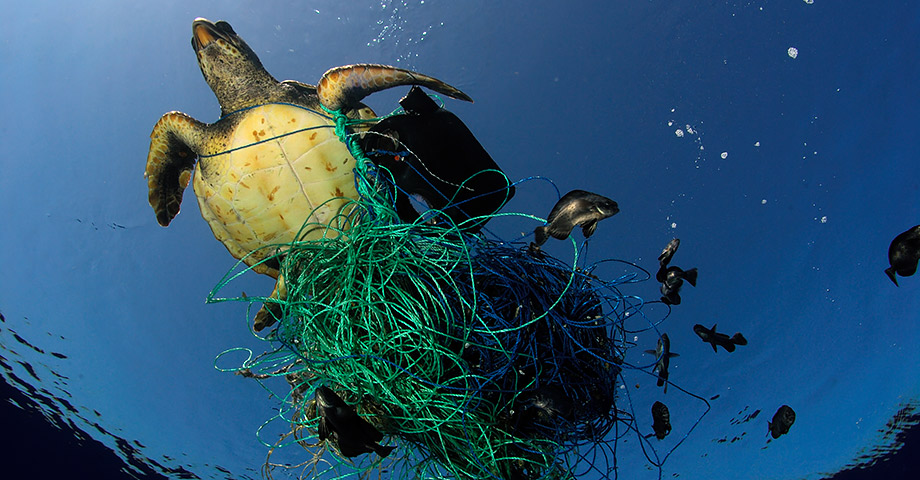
789	231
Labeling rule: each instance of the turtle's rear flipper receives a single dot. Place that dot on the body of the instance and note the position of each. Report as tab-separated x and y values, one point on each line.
344	87
266	316
174	144
271	312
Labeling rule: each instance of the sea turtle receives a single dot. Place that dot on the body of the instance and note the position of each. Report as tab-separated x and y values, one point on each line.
272	158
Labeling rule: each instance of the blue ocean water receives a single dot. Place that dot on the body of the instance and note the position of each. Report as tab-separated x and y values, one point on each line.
776	139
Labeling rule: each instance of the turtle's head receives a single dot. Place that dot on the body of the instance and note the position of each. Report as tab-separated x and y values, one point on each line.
231	68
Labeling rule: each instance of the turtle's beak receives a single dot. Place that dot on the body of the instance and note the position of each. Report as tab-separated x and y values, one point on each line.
203	33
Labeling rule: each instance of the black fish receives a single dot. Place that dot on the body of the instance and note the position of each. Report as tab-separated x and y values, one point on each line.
782	420
661	421
665	258
428	152
664	354
339	422
714	338
577	207
903	254
672	278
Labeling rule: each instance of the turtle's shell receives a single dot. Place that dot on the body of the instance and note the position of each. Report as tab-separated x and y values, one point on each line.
281	166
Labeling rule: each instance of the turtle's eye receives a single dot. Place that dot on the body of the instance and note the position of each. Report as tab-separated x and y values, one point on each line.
225	27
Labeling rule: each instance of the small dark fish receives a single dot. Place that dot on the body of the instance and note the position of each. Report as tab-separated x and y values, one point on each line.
714	338
903	254
665	258
782	420
672	278
664	354
661	421
577	207
339	422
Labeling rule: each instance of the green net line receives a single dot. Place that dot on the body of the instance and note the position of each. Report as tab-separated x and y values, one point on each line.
477	359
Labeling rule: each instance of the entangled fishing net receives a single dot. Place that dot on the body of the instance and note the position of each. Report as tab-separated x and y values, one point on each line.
477	358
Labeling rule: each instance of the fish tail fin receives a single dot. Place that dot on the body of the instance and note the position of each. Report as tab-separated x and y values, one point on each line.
690	276
539	235
890	272
588	228
383	451
729	347
664	259
738	339
662	274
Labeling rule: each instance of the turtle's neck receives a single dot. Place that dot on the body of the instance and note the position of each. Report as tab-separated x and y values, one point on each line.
246	89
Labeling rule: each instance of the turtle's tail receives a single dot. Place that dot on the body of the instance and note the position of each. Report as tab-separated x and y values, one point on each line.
343	87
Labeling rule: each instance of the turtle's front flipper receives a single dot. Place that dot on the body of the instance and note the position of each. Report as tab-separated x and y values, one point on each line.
174	146
344	87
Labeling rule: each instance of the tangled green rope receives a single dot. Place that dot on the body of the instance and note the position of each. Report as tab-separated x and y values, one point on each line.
478	359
